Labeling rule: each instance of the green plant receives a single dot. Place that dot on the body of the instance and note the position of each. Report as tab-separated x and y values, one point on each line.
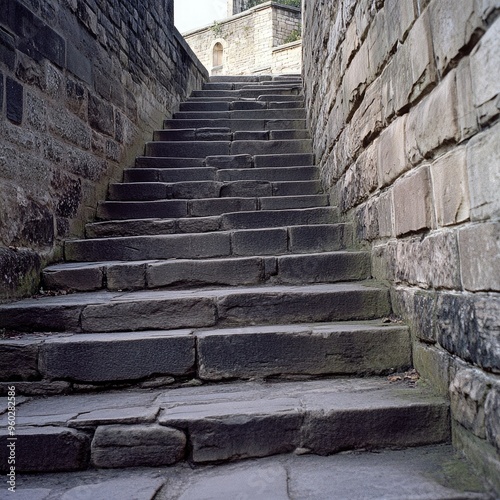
216	29
293	3
295	35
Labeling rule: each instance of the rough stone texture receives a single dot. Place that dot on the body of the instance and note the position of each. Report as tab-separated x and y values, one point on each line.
100	358
412	202
48	449
480	256
427	101
136	446
81	95
19	360
451	188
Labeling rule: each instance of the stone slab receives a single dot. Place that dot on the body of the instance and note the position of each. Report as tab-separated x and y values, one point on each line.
118	356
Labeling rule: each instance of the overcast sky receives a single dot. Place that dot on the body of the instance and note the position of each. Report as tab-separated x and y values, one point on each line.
191	14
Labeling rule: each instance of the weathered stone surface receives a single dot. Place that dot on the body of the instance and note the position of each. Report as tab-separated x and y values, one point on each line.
260	242
480	256
225	162
468	392
301	349
145	488
485	75
483	157
254	482
126	276
76	277
319	238
118	356
451	188
453	25
234	271
48	449
392	160
115	415
19	359
137	446
218	206
433	122
432	364
468	326
412	202
442	270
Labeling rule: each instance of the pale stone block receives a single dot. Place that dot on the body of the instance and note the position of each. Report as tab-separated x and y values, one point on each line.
432	364
386	214
400	14
412	202
432	261
357	76
480	256
451	188
453	23
467	114
483	160
468	392
433	122
392	161
378	44
485	70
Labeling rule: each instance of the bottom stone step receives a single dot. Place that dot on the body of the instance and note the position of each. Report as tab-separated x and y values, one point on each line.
223	422
423	473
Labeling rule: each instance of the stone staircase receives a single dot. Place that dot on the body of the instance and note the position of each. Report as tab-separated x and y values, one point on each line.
214	310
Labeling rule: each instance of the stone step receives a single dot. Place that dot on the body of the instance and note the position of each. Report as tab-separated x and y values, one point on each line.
434	472
316	224
279	84
272	174
254	91
244	114
228	161
203	207
269	98
235	125
202	149
216	135
210	424
106	311
141	191
324	349
156	239
328	267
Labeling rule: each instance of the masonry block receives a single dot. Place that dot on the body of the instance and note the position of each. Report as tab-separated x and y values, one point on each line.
480	256
392	161
434	121
485	64
451	188
412	202
14	101
117	446
483	158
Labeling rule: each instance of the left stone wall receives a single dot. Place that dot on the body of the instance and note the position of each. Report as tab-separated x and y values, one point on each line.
83	83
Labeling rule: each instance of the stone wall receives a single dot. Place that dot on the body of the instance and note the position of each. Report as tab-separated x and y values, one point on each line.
403	100
249	40
287	58
82	85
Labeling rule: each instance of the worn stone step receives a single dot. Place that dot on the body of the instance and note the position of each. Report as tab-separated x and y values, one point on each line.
317	219
270	98
141	191
213	354
201	134
94	312
253	91
288	83
171	239
328	267
293	202
240	78
210	424
244	114
273	174
235	125
205	106
202	149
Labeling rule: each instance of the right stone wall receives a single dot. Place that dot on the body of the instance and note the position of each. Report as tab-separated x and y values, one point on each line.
403	100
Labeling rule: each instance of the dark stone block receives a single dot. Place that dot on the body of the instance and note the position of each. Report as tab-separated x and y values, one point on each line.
14	101
1	91
101	116
79	64
38	227
468	326
7	51
20	272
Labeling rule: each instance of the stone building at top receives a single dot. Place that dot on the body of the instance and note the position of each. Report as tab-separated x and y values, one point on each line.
263	39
